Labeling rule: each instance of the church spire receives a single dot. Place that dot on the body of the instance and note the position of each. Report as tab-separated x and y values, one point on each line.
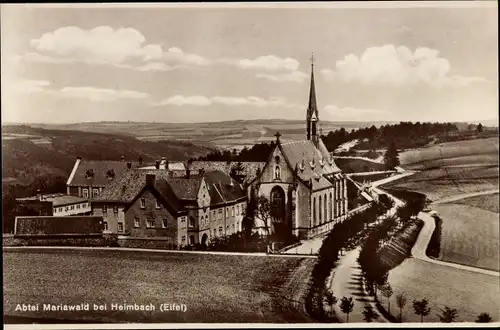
312	109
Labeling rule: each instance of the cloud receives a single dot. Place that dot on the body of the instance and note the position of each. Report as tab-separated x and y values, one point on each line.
355	113
393	65
100	94
197	100
295	76
26	86
105	45
268	63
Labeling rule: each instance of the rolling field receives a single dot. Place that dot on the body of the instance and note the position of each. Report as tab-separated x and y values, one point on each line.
444	182
485	202
470	293
470	235
215	288
469	149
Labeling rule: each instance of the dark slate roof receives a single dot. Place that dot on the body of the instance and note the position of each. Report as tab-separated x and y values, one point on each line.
124	188
59	199
185	188
308	158
312	108
249	168
168	194
100	169
222	188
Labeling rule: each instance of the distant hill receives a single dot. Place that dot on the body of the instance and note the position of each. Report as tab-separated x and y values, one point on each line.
31	152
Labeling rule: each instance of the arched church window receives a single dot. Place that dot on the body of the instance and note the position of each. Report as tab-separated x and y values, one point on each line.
319	211
325	213
314	211
277	172
330	207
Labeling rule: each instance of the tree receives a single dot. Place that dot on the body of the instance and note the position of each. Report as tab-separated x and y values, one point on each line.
263	211
330	299
420	307
387	292
447	315
369	314
479	128
386	201
483	318
346	306
391	157
401	302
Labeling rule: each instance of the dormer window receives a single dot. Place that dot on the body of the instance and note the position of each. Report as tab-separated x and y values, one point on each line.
313	164
110	174
89	174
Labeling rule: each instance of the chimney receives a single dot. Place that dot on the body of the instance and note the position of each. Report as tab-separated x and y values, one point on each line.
188	173
39	195
79	157
140	160
157	165
123	158
166	164
129	165
150	179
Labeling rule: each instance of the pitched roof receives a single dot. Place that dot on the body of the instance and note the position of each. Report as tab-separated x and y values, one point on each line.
249	168
124	188
104	171
222	188
185	188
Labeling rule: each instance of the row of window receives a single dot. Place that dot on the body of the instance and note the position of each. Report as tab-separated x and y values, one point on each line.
143	203
230	211
320	212
85	192
120	226
71	207
150	223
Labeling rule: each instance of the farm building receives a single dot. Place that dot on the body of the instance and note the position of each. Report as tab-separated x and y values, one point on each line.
306	189
185	210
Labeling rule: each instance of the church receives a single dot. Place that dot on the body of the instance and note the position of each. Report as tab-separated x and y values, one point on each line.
306	190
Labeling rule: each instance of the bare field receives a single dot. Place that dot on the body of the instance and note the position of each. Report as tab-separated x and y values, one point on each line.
444	182
469	292
259	289
470	235
488	146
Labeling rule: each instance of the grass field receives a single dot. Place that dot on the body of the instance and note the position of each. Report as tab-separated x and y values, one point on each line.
444	182
470	293
468	148
470	235
215	288
485	202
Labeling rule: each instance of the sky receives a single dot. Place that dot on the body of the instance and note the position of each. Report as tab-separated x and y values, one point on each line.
199	63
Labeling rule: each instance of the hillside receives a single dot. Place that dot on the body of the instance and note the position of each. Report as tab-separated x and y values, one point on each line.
29	152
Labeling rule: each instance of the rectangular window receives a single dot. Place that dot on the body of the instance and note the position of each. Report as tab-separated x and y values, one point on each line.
72	207
237	210
85	193
60	209
183	240
115	208
220	214
157	204
105	225
165	222
66	208
215	232
78	206
191	222
95	192
220	231
104	208
137	222
232	211
120	227
150	224
143	203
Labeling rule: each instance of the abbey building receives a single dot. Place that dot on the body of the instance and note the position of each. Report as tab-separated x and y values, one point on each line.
306	190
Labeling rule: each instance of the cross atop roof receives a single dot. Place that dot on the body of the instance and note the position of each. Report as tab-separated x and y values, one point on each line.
278	134
312	59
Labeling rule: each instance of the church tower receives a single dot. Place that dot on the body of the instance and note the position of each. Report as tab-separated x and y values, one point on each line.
312	111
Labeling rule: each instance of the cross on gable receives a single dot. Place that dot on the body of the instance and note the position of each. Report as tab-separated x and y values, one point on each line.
278	134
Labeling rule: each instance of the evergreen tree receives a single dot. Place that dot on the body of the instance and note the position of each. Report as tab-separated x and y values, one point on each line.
391	157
